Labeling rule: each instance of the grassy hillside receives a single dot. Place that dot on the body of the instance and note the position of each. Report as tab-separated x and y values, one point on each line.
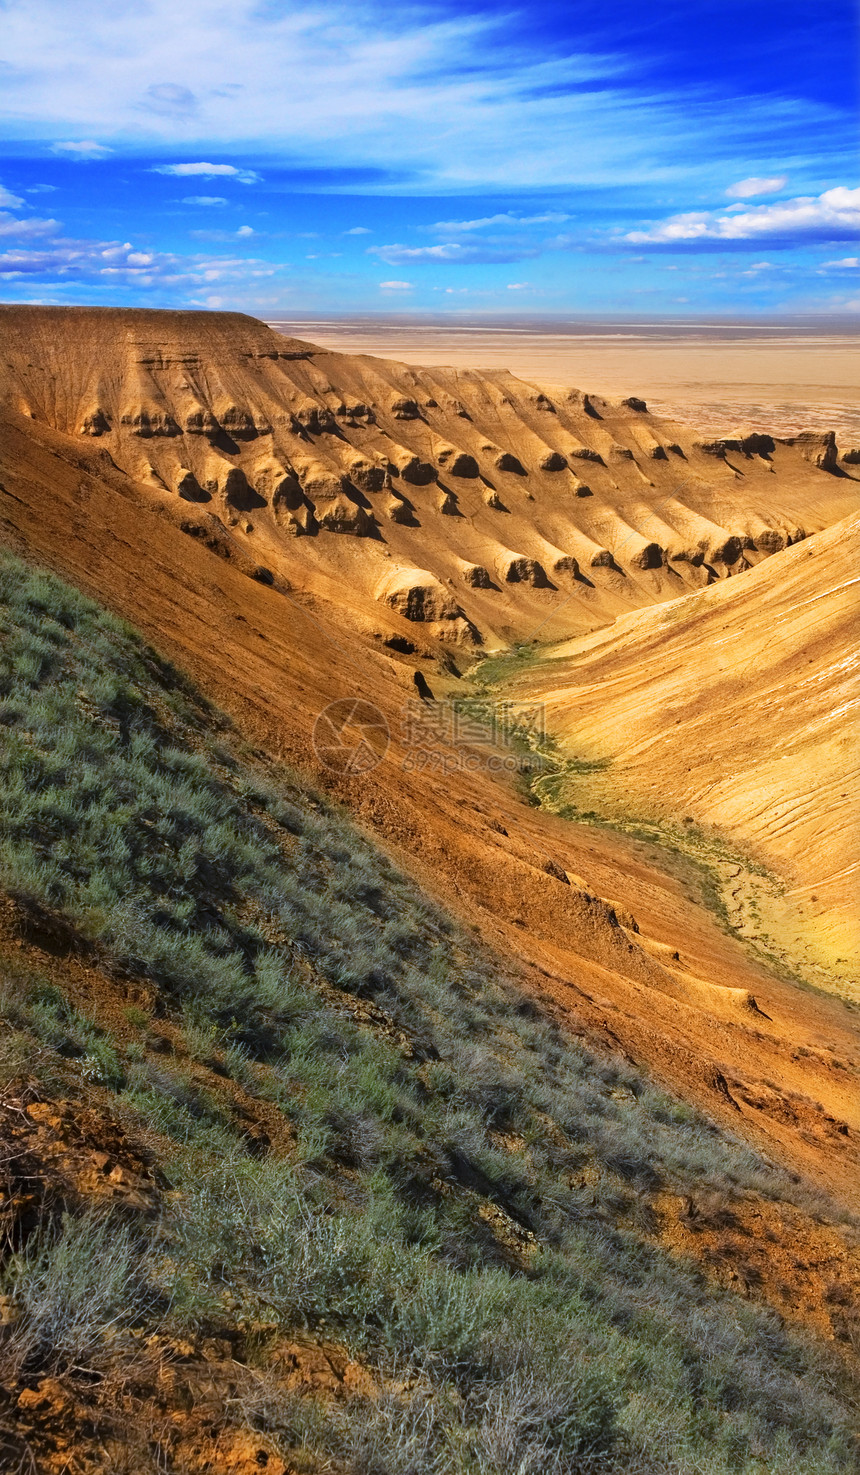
345	1127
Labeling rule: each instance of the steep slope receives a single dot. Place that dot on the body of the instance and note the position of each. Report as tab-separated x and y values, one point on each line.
458	507
293	1176
277	654
737	708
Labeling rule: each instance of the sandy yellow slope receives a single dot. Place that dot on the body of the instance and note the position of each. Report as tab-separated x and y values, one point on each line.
733	707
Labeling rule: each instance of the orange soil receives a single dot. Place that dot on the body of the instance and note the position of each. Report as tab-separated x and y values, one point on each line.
676	996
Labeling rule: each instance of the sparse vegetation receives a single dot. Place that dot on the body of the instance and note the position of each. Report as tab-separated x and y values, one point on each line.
464	1199
549	778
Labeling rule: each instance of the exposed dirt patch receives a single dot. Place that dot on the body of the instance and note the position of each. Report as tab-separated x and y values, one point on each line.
805	1270
56	1154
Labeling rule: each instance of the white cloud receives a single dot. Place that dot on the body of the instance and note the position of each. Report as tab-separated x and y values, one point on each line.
833	215
518	286
105	265
108	264
203	200
85	149
11	226
759	266
358	230
396	286
849	261
8	201
244	233
395	254
209	171
747	189
168	97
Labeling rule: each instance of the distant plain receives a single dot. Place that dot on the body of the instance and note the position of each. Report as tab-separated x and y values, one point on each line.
780	375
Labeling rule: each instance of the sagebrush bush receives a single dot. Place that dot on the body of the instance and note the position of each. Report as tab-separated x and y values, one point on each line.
72	1286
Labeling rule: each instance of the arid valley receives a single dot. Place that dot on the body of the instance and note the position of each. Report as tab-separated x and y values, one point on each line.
429	882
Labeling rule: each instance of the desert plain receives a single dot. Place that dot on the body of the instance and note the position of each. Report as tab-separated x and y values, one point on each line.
782	375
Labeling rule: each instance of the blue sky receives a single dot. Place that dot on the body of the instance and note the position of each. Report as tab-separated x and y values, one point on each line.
483	158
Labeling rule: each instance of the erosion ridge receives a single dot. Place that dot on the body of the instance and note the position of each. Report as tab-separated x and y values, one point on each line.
277	647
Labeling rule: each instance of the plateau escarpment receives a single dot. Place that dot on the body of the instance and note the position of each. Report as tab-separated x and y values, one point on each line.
329	470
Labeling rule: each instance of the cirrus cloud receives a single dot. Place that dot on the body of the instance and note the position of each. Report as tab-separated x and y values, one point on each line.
474	254
169	98
505	219
460	95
